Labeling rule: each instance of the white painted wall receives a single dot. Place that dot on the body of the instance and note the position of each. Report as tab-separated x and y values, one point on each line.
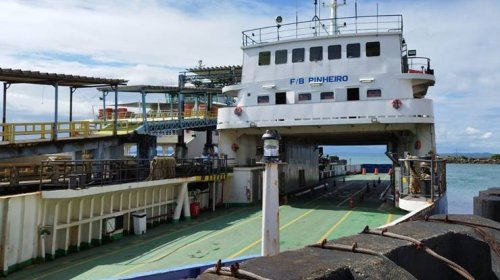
19	228
74	217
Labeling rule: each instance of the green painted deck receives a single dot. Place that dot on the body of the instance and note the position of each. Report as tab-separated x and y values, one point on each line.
225	234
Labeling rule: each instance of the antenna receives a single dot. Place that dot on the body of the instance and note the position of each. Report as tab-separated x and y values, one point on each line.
296	19
334	29
316	19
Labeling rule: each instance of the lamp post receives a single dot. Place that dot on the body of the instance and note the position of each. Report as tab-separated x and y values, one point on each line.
270	200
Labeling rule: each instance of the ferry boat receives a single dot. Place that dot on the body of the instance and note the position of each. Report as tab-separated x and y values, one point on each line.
336	81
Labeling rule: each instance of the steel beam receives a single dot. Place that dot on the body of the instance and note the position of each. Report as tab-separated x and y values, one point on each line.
71	91
144	116
4	107
104	94
56	108
115	123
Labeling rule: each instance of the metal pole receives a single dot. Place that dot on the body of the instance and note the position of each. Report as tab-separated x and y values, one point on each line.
71	91
104	113
214	200
4	108
270	211
115	123
144	117
56	101
171	98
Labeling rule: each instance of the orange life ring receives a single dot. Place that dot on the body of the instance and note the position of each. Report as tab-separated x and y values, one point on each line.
238	110
234	147
418	145
397	104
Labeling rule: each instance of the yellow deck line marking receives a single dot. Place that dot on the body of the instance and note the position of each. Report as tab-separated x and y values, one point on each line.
291	222
134	245
335	226
188	245
213	234
245	249
389	219
281	228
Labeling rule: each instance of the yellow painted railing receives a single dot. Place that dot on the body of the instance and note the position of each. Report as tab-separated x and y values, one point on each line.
15	132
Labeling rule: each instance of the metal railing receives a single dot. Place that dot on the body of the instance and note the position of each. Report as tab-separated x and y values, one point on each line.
73	174
14	132
323	27
423	177
418	65
85	173
201	166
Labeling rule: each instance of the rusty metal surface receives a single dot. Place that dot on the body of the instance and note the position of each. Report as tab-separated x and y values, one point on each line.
460	243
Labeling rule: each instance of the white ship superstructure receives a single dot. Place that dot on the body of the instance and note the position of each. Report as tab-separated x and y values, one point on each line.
340	81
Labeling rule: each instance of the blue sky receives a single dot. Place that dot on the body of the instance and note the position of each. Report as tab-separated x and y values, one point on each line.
150	41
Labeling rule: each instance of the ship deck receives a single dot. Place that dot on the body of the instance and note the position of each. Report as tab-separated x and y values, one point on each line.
226	234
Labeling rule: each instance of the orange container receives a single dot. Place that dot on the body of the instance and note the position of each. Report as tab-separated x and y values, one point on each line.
188	109
109	113
122	113
213	111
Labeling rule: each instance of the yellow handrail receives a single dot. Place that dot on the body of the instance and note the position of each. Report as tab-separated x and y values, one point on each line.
15	132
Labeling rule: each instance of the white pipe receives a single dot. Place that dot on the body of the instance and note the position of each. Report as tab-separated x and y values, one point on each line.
333	16
270	211
187	209
42	246
180	201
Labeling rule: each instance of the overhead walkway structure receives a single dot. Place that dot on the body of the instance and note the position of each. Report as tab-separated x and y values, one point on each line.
175	117
29	138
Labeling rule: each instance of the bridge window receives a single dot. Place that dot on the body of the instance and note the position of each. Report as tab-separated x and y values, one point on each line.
372	93
280	56
263	99
328	95
298	55
373	49
316	54
334	52
352	94
264	58
304	97
353	50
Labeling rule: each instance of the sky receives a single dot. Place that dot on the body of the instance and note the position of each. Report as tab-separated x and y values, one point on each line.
151	41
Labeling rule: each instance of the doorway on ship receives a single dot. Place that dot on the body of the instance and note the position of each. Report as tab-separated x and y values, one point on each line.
281	98
359	168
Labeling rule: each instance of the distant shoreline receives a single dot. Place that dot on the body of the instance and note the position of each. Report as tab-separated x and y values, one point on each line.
470	160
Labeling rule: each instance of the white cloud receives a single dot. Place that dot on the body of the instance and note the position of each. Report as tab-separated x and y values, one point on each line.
487	135
471	131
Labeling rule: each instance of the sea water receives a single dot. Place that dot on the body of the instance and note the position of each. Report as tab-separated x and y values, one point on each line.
464	181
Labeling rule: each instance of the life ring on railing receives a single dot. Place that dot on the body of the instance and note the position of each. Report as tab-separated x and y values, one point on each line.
397	104
234	147
238	110
418	145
